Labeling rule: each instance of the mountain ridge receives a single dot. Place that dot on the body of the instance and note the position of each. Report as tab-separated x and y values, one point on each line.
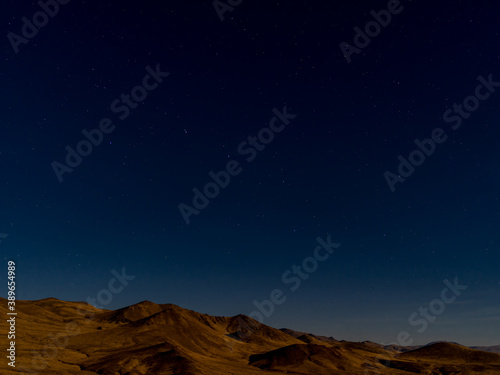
149	338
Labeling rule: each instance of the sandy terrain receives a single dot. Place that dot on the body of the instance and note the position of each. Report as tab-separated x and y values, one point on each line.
57	337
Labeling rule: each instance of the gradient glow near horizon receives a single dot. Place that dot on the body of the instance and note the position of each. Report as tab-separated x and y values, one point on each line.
213	88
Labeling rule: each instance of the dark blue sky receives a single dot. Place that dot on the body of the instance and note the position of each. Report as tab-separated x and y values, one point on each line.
323	174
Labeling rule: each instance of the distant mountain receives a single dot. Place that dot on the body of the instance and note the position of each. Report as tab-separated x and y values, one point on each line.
452	353
492	349
57	337
307	337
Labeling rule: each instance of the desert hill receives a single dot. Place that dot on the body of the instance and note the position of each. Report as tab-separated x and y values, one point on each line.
58	337
131	313
452	353
492	349
307	337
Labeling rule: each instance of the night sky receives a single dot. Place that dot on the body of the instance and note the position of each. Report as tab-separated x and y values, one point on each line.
327	138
